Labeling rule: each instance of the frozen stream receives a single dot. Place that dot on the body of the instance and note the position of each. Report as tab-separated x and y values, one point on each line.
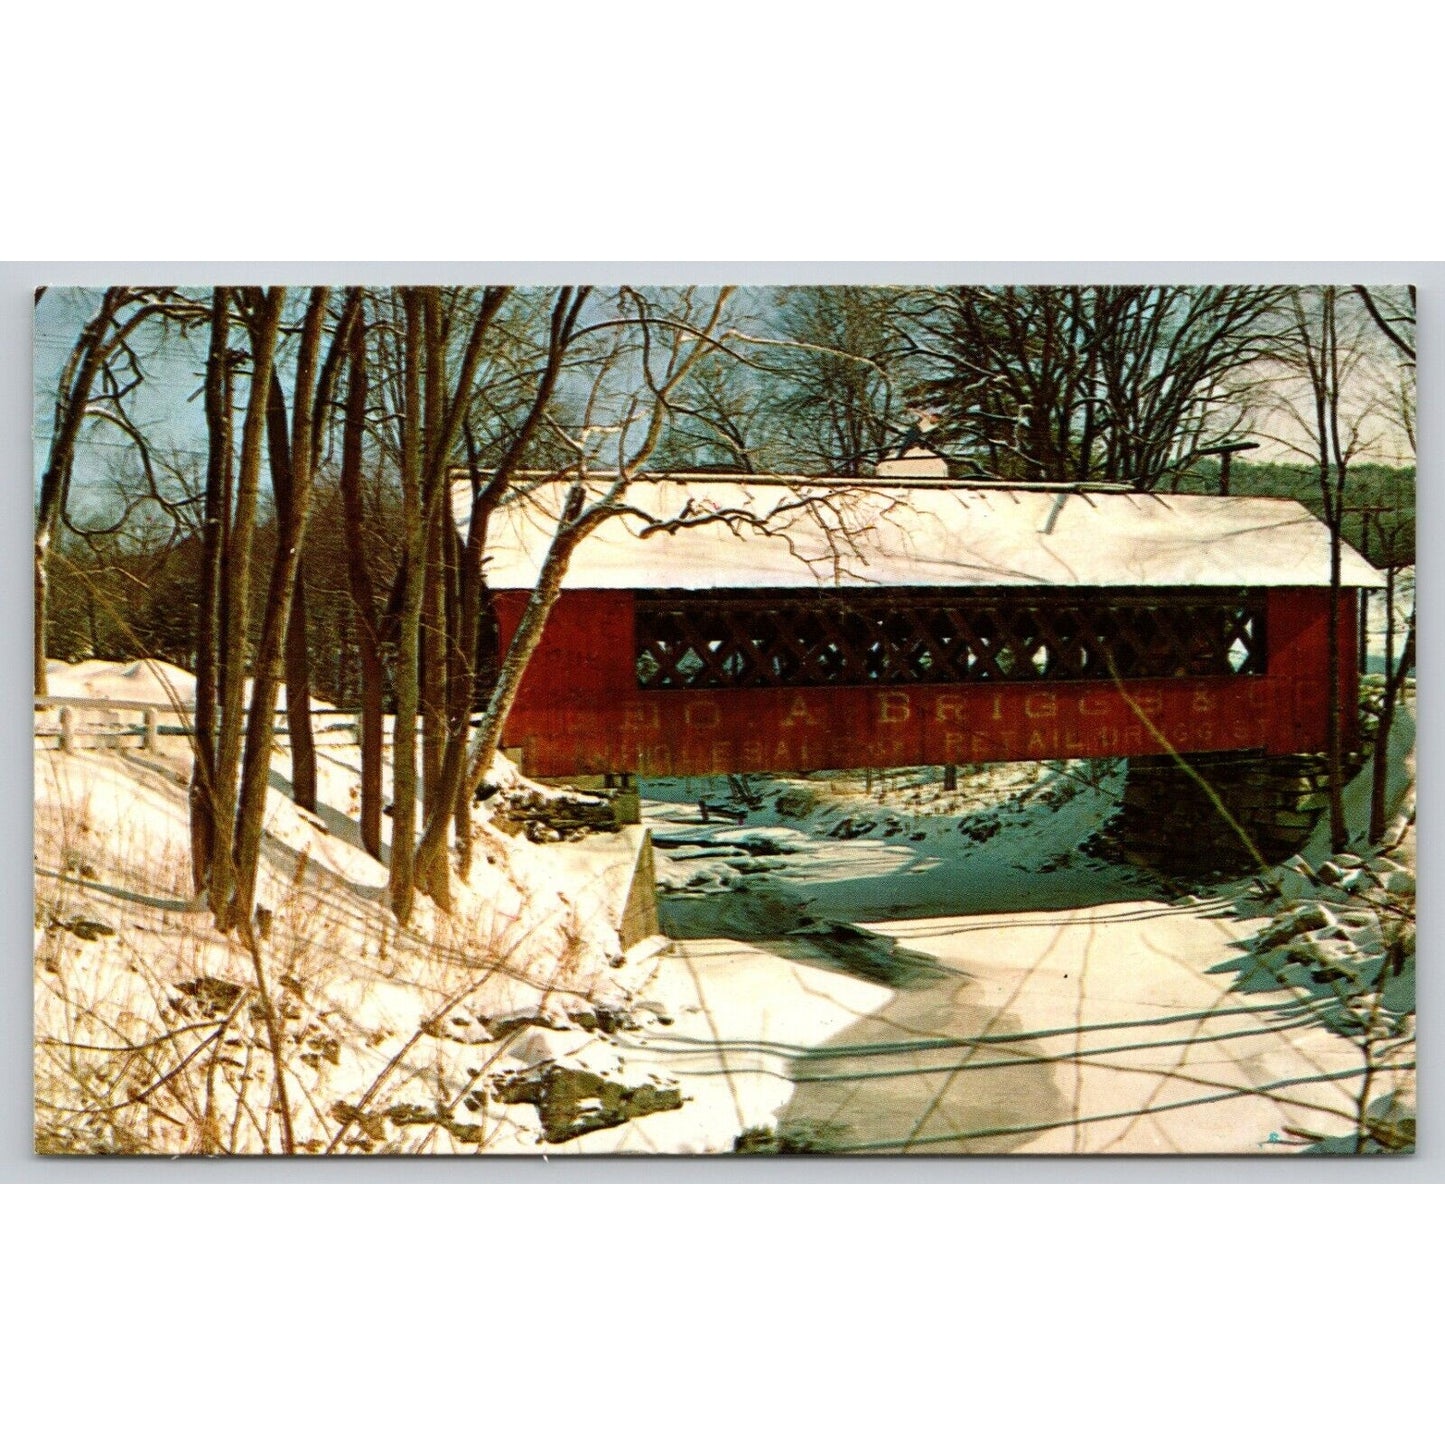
956	981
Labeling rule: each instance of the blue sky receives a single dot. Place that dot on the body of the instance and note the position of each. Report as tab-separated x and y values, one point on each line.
169	408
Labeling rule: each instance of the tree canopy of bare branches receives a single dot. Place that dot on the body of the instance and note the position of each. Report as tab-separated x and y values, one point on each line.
1089	383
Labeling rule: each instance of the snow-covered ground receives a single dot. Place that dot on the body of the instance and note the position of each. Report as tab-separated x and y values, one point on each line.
896	968
149	1024
860	962
147	680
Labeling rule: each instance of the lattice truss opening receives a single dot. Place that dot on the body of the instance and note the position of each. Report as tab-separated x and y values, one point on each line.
902	636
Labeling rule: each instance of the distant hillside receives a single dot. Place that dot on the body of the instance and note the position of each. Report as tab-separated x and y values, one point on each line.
1391	532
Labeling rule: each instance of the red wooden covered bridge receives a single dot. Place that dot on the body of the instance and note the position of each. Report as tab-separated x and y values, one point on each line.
842	625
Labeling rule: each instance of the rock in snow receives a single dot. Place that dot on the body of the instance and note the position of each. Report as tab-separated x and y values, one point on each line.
579	1087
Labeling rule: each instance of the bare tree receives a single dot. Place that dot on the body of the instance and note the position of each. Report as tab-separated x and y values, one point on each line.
297	669
233	586
835	401
101	371
210	623
665	350
1394	549
1397	324
1394	316
1088	383
313	393
1334	414
369	622
434	403
450	801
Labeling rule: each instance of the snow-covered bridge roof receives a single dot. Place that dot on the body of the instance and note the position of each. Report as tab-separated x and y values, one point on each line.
852	534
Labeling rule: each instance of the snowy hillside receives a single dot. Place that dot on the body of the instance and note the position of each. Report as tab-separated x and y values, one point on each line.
148	1021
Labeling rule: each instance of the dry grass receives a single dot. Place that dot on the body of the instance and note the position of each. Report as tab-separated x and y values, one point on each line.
151	1027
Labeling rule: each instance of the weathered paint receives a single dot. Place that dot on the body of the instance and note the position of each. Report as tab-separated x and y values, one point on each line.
580	709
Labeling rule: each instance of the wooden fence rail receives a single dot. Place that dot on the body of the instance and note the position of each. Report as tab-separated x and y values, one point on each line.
115	733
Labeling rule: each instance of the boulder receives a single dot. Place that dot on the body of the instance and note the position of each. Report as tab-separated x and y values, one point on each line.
579	1088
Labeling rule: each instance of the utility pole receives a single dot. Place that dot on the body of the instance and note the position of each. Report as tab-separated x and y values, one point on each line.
1225	451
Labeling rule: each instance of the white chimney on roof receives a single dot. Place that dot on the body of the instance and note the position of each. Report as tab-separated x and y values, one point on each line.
915	462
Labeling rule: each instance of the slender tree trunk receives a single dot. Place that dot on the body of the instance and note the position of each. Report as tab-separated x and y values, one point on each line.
297	663
1339	834
312	398
458	607
403	748
433	660
433	645
373	747
454	794
236	600
452	801
218	466
525	642
461	685
363	599
266	678
298	702
431	852
42	607
1395	675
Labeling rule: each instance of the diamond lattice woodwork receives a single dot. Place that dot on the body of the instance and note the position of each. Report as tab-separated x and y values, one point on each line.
908	636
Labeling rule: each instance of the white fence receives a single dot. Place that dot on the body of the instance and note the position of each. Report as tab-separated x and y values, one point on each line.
104	722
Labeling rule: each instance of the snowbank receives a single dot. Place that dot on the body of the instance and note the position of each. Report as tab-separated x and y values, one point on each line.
146	680
151	1027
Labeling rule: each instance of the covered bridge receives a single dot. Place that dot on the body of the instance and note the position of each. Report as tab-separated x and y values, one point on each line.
886	623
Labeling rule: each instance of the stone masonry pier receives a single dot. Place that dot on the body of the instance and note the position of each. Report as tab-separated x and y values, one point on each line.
1170	821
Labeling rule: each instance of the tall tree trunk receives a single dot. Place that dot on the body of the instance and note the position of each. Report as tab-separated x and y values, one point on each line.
266	673
1395	675
308	416
455	792
218	466
525	641
363	599
433	661
463	576
446	412
373	746
1330	369
1339	834
297	664
298	702
463	770
403	747
42	608
461	682
264	324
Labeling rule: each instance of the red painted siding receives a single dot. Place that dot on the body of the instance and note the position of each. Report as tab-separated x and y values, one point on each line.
580	709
